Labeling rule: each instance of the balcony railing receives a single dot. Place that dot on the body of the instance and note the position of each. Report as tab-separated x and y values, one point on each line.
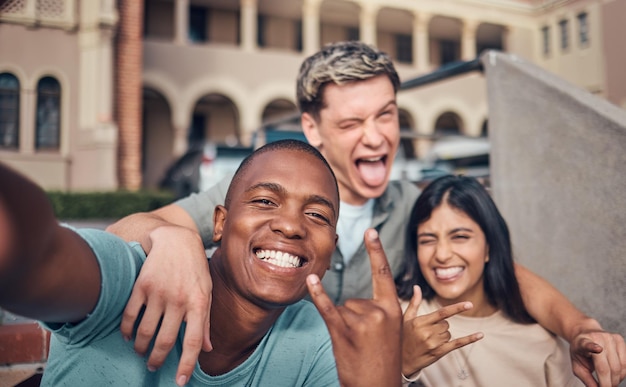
47	13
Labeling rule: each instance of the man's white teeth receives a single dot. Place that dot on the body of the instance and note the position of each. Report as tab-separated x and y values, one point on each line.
449	272
278	258
373	159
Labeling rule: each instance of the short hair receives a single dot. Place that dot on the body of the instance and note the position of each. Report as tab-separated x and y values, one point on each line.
469	196
340	63
288	144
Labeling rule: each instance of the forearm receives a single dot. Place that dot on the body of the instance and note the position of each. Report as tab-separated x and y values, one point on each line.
141	226
28	226
46	271
551	308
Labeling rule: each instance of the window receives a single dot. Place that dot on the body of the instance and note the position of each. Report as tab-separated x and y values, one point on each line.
449	51
564	36
298	36
48	129
353	33
545	35
196	136
197	24
9	111
583	29
404	48
157	20
260	30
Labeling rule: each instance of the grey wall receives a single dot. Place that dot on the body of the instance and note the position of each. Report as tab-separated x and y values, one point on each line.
558	167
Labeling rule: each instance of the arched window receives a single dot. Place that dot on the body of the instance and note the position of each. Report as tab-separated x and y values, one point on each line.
9	111
48	133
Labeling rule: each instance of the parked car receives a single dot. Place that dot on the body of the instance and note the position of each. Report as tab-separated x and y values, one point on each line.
461	155
183	175
218	162
201	167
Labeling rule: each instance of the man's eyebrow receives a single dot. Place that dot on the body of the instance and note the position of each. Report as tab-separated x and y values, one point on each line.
266	185
389	104
392	102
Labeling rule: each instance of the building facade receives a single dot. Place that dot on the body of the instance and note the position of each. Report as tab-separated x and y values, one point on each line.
213	70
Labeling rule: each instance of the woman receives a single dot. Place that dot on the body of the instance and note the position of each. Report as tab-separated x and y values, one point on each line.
463	252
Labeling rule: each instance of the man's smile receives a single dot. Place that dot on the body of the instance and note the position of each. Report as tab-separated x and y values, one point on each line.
279	258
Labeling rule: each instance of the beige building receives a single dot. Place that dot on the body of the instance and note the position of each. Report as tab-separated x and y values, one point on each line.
80	109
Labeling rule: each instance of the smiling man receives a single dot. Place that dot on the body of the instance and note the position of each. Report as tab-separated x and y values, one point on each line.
275	231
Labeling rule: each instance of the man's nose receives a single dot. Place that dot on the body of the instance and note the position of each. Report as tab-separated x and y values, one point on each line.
372	135
289	222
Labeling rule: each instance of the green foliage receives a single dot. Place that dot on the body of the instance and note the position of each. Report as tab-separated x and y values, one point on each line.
106	205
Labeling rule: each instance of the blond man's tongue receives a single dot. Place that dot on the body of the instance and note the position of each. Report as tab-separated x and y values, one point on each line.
372	172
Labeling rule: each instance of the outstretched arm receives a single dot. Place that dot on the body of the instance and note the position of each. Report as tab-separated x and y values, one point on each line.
366	334
174	285
47	272
591	347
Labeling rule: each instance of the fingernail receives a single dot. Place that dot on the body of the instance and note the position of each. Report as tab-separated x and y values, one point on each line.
468	305
182	379
372	234
313	279
151	368
126	338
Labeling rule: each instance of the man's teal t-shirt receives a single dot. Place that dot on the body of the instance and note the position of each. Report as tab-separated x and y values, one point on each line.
296	351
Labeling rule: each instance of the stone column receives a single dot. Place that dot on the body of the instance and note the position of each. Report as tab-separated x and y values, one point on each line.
129	92
30	12
468	39
181	122
248	25
310	26
421	41
367	21
107	22
105	79
181	21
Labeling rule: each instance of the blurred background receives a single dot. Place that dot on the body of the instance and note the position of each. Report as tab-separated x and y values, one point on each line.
159	98
103	94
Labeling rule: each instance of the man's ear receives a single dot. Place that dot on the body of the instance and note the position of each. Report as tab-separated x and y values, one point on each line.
219	218
310	129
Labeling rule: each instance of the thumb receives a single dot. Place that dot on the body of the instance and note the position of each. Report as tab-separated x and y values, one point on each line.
416	300
589	347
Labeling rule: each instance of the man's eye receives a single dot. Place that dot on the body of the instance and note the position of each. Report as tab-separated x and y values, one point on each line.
349	125
319	216
265	202
424	242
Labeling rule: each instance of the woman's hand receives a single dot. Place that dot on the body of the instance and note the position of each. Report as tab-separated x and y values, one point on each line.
426	338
